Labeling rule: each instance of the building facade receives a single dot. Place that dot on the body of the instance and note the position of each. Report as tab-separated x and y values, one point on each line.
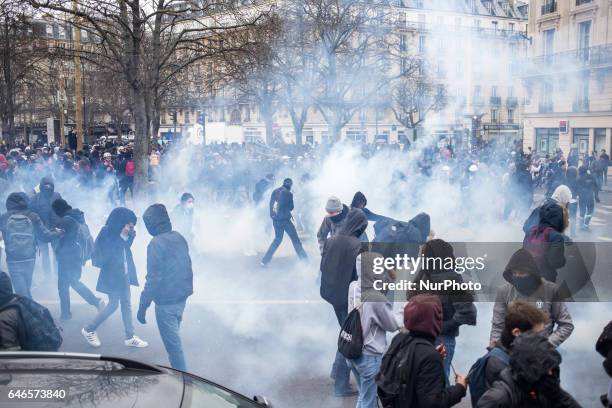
568	77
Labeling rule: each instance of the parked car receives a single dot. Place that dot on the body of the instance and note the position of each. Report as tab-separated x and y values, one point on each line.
88	380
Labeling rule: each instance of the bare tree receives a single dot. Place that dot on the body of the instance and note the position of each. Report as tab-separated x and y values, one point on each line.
416	95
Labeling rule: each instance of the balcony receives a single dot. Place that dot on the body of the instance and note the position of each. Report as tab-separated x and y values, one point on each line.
512	102
549	8
575	60
581	2
495	100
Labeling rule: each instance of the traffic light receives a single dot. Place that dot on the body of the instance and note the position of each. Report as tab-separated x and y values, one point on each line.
173	116
201	118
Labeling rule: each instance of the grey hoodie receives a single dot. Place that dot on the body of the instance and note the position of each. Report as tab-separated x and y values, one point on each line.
377	317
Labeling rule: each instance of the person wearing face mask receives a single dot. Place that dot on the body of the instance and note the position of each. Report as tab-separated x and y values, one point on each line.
182	216
281	205
41	204
333	221
524	282
112	254
532	379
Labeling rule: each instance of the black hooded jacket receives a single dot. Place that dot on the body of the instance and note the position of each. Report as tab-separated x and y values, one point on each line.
169	275
112	253
11	325
42	203
331	225
338	268
551	254
17	203
67	248
527	383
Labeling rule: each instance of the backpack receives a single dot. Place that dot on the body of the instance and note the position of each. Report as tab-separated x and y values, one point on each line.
130	168
86	242
536	241
41	333
20	239
395	390
350	339
477	377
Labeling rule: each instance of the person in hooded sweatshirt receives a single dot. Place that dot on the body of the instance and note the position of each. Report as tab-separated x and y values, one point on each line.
338	270
11	324
169	281
532	380
587	193
281	205
457	306
41	204
422	368
112	254
546	240
22	229
68	252
524	282
336	215
182	216
377	319
604	347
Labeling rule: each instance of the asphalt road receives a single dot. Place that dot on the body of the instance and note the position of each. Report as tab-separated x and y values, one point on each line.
266	331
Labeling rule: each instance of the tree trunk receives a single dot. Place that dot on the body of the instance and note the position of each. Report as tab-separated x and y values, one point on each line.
269	121
141	142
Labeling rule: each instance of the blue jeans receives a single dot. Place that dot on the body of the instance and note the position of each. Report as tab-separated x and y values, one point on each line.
449	342
169	319
280	227
71	276
365	369
21	276
340	367
123	297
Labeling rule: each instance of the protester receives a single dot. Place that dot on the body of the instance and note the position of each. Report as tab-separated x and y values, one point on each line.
262	187
572	205
22	229
11	325
182	216
604	347
112	254
606	162
41	205
377	318
524	282
412	370
71	251
457	306
336	215
338	270
281	205
521	317
169	281
587	194
532	380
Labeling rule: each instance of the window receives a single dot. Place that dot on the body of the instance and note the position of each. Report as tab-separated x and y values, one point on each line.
584	39
493	115
580	137
546	98
600	139
511	27
549	41
510	115
422	44
477	95
494	24
547	140
581	103
403	42
494	91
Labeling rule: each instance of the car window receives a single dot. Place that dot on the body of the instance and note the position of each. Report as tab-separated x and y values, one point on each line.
202	394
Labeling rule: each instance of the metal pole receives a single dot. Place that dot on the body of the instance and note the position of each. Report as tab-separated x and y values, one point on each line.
77	79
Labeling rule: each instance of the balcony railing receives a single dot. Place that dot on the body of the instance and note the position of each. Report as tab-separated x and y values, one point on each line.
581	2
598	56
548	8
512	102
468	30
495	100
545	107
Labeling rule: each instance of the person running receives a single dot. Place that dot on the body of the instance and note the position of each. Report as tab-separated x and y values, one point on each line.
112	254
169	281
281	205
71	254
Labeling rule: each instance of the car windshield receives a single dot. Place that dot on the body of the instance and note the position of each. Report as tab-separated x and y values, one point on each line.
200	393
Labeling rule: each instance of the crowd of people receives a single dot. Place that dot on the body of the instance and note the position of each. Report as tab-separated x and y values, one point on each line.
530	319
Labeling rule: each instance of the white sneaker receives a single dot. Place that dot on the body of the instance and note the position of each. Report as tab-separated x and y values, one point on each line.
136	342
91	337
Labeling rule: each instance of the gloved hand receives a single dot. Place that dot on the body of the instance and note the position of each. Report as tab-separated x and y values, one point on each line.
141	316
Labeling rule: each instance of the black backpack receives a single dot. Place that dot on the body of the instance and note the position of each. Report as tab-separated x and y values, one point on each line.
85	242
350	339
41	333
20	239
477	377
395	389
